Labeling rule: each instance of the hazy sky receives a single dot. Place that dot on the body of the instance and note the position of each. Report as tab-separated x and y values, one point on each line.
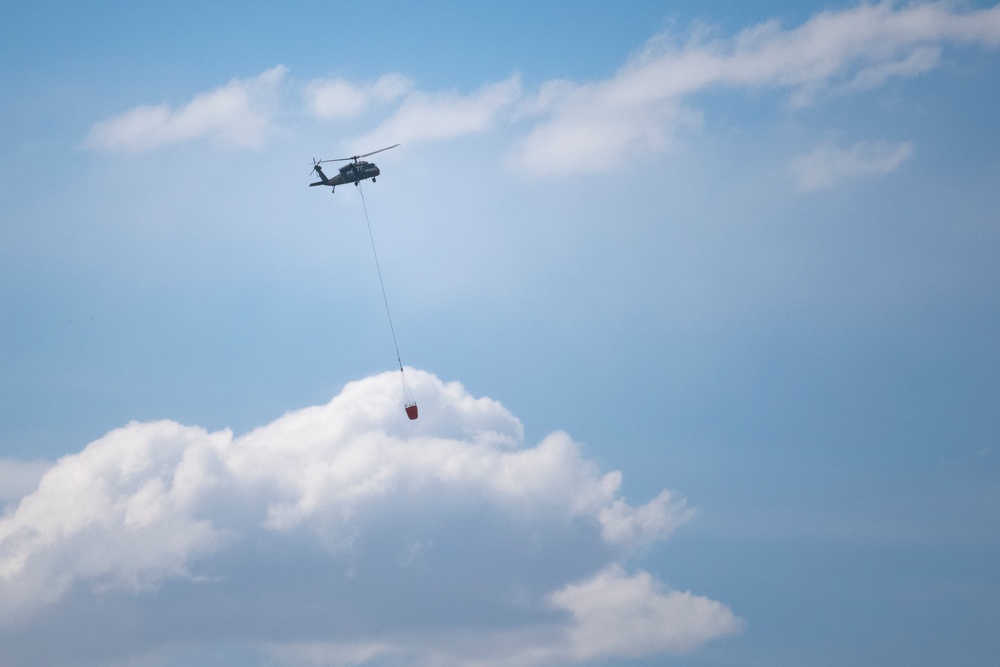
700	302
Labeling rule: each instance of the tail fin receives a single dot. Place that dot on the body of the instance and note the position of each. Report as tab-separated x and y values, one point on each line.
324	180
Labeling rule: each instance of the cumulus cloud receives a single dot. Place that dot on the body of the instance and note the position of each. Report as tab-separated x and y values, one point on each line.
828	165
342	534
616	614
18	478
239	114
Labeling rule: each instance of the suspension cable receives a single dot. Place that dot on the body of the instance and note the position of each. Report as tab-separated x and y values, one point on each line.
378	268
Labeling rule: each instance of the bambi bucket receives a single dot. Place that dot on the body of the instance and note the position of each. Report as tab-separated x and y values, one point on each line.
411	410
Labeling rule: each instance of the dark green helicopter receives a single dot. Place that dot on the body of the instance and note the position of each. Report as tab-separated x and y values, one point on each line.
355	171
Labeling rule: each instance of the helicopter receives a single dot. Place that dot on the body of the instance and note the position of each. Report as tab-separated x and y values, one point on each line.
355	171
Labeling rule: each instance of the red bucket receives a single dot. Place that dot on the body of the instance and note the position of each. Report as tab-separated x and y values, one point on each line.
411	410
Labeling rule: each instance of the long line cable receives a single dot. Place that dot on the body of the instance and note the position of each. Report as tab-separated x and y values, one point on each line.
378	268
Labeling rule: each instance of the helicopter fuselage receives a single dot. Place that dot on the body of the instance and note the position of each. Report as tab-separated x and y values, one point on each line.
354	172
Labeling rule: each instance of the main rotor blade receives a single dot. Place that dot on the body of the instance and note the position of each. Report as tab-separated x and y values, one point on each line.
355	157
378	151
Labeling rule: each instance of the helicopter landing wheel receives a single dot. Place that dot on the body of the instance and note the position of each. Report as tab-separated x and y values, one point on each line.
373	179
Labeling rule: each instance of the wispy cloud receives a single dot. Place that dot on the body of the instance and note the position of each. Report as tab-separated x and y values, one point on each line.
239	114
337	99
643	104
828	165
445	115
565	124
356	513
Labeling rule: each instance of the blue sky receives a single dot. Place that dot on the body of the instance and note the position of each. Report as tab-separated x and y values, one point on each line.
699	302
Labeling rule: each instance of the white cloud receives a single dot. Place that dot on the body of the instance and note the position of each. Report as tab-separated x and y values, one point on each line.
611	615
445	115
19	478
621	615
591	127
573	128
239	114
111	515
342	534
642	106
640	526
337	99
828	165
